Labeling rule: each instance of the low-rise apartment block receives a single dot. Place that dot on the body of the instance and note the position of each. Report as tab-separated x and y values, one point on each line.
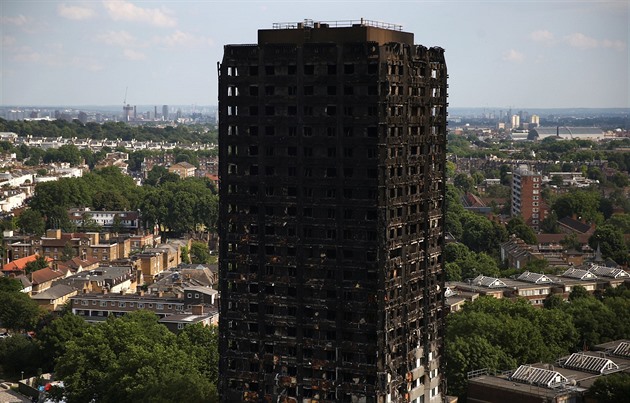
568	379
536	287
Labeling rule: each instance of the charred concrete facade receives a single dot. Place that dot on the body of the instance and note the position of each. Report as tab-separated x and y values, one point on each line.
332	186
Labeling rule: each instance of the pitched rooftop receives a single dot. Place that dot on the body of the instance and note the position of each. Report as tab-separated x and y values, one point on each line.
588	363
490	282
538	376
535	278
607	271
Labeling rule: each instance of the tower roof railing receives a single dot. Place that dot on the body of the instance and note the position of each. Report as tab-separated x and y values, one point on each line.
307	23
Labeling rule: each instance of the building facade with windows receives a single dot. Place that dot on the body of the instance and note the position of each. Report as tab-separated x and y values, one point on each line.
527	200
332	188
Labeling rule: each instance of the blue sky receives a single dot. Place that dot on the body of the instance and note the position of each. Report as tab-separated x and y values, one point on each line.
537	53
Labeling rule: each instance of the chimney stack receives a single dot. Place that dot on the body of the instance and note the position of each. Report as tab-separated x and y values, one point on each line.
197	309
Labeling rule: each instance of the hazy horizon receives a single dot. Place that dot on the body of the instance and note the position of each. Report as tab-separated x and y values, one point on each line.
554	54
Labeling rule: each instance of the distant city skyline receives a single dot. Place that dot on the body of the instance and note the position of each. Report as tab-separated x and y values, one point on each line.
519	54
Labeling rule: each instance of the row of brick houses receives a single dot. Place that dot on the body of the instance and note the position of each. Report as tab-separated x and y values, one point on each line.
517	254
183	295
183	304
101	246
143	253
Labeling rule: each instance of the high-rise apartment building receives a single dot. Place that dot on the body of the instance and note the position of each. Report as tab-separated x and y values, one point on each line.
332	145
527	200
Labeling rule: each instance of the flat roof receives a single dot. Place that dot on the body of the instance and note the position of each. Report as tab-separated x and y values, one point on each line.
133	297
347	31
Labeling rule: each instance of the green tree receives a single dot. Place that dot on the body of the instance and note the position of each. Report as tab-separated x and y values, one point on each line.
478	177
592	320
67	252
66	153
40	263
453	224
611	388
477	264
117	224
456	252
19	353
620	179
611	241
450	169
500	333
199	253
464	182
537	266
8	284
185	255
553	301
17	311
35	156
470	353
202	343
578	292
31	222
518	227
549	224
55	337
134	358
453	271
585	204
595	173
110	200
159	175
482	235
556	180
571	241
620	221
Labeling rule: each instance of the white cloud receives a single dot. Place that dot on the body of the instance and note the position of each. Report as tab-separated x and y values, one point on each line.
513	56
183	39
19	21
26	55
117	38
131	54
86	63
75	12
8	40
542	35
576	40
122	10
579	40
55	56
617	45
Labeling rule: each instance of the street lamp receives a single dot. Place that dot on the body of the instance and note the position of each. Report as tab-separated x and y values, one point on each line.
22	375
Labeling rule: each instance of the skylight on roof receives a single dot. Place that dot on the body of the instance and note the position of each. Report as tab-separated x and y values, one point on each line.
538	376
623	349
589	363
